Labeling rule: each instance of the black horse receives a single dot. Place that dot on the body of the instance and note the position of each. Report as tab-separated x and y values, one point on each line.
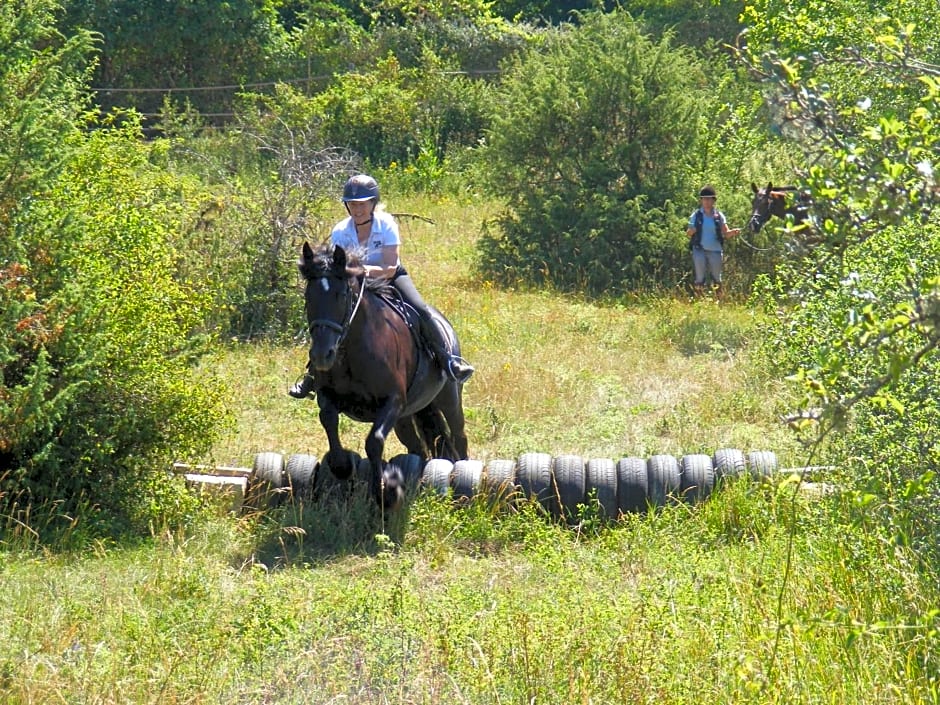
773	201
368	363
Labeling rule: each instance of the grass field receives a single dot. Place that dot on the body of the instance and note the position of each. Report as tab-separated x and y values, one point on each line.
758	595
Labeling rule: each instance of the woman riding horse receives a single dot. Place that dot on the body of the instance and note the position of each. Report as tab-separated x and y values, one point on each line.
373	232
366	363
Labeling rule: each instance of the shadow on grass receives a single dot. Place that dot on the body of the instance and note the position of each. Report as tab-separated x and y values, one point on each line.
339	519
709	333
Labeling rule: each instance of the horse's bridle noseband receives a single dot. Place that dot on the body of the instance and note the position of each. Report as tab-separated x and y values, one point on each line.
758	219
351	309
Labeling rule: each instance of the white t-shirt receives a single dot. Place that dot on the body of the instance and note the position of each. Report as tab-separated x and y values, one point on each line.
384	233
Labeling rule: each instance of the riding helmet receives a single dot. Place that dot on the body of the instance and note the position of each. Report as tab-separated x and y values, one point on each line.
707	192
360	187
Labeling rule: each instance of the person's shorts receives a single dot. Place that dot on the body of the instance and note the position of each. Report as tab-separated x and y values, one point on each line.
706	263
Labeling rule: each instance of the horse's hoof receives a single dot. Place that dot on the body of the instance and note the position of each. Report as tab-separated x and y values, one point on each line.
341	465
392	489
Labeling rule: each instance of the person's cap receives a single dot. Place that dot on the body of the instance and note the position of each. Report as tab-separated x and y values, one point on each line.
707	192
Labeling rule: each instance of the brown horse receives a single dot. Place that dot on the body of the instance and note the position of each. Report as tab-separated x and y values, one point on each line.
772	201
369	364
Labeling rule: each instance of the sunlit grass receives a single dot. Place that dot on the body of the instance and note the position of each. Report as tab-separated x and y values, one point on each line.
474	606
755	596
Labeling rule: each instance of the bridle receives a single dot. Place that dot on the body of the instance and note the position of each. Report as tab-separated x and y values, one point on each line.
763	210
352	307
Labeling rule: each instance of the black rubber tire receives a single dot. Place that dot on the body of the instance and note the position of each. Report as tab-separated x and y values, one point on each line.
411	470
696	477
437	475
632	485
354	459
762	464
499	479
663	477
534	478
301	470
266	482
570	482
467	478
728	463
601	482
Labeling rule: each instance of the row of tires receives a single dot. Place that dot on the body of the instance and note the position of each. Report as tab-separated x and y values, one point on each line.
560	484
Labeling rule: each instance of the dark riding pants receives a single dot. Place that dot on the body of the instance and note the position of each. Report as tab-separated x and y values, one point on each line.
429	328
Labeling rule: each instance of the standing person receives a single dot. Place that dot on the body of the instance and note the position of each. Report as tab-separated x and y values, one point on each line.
707	231
373	232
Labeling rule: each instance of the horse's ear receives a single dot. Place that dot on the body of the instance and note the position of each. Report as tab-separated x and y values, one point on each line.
754	187
339	258
770	186
307	252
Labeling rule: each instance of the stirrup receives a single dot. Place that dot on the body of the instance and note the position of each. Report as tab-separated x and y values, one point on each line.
302	389
459	369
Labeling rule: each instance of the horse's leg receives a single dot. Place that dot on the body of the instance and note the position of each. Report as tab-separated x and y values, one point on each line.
388	486
450	404
433	430
407	431
337	457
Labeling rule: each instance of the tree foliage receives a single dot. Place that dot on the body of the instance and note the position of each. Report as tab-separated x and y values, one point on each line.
161	44
863	342
586	149
99	327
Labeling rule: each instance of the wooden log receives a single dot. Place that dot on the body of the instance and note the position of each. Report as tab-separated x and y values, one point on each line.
227	482
219	470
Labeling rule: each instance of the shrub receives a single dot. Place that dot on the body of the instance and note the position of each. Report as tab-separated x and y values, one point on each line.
586	149
98	393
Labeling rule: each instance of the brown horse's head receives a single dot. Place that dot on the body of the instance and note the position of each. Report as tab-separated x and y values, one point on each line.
331	297
773	201
767	202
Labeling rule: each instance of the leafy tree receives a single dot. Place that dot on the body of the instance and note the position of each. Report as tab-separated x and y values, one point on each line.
41	76
42	95
586	148
178	44
862	343
99	323
698	24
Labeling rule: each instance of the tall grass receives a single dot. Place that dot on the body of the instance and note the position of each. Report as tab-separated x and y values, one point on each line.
755	596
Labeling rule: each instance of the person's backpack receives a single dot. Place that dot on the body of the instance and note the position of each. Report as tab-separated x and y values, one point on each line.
696	240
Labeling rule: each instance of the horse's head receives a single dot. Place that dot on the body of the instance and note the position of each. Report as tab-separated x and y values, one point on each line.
331	298
767	202
772	201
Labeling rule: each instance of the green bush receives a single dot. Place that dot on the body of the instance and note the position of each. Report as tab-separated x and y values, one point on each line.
98	391
587	148
389	114
858	325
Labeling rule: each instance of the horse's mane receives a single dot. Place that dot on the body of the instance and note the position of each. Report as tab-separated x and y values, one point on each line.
322	264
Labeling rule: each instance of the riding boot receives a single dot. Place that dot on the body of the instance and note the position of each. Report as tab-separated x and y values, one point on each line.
302	389
454	366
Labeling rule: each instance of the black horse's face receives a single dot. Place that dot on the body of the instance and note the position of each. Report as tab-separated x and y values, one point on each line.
763	205
327	300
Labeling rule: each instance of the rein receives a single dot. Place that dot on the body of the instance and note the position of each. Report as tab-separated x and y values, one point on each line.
343	328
